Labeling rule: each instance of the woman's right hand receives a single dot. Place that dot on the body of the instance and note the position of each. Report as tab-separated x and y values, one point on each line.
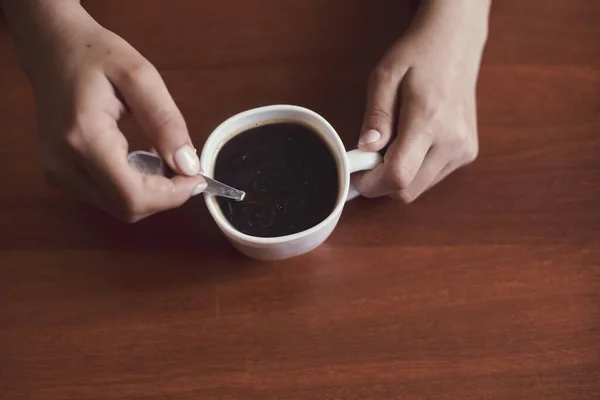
84	78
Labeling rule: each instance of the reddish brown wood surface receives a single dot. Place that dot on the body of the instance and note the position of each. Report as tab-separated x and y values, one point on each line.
488	287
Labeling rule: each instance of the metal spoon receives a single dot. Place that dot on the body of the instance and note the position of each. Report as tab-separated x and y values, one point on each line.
152	164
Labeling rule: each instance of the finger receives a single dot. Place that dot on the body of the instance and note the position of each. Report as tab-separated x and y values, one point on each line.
447	170
380	110
131	195
403	160
434	163
157	194
137	195
147	97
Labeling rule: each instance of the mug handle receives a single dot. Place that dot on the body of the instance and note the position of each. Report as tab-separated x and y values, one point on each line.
359	160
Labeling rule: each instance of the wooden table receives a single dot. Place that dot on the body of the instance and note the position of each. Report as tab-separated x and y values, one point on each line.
488	287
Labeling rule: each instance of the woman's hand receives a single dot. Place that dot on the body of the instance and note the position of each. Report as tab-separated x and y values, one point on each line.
421	98
84	78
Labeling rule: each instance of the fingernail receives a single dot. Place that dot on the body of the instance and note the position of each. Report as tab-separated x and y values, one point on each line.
369	136
199	189
187	161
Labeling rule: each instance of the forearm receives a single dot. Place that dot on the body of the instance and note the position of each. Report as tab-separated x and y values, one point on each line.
42	26
449	17
25	15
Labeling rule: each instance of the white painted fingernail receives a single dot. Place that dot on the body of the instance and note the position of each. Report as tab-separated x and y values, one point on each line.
370	136
199	189
187	160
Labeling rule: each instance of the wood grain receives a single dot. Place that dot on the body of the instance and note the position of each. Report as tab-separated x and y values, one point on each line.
488	287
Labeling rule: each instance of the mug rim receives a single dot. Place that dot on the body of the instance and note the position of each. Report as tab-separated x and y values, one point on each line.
340	155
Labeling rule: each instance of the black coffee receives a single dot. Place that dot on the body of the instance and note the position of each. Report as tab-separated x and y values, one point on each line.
289	175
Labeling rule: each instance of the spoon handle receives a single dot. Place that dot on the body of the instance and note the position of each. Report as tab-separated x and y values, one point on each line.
152	164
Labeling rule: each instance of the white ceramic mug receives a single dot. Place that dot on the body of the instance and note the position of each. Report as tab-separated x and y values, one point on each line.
282	247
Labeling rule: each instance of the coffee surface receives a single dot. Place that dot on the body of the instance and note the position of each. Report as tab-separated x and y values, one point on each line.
289	175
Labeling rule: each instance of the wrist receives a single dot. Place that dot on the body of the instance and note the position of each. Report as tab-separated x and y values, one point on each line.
42	27
476	8
456	17
23	15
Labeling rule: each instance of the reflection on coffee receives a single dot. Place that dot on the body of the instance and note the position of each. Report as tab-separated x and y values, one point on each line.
289	174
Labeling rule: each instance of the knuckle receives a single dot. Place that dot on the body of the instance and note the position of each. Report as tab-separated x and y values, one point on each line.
173	195
88	132
138	72
83	131
471	151
465	140
163	189
403	196
382	76
129	219
379	115
123	216
130	209
401	176
407	198
170	119
74	139
462	134
428	106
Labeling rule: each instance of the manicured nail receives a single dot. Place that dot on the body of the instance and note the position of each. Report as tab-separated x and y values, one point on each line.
187	161
369	136
199	189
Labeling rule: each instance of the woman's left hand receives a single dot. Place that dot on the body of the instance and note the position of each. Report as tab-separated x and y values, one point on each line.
421	98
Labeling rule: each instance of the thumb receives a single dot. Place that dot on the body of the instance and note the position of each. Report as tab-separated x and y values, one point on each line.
380	113
146	95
